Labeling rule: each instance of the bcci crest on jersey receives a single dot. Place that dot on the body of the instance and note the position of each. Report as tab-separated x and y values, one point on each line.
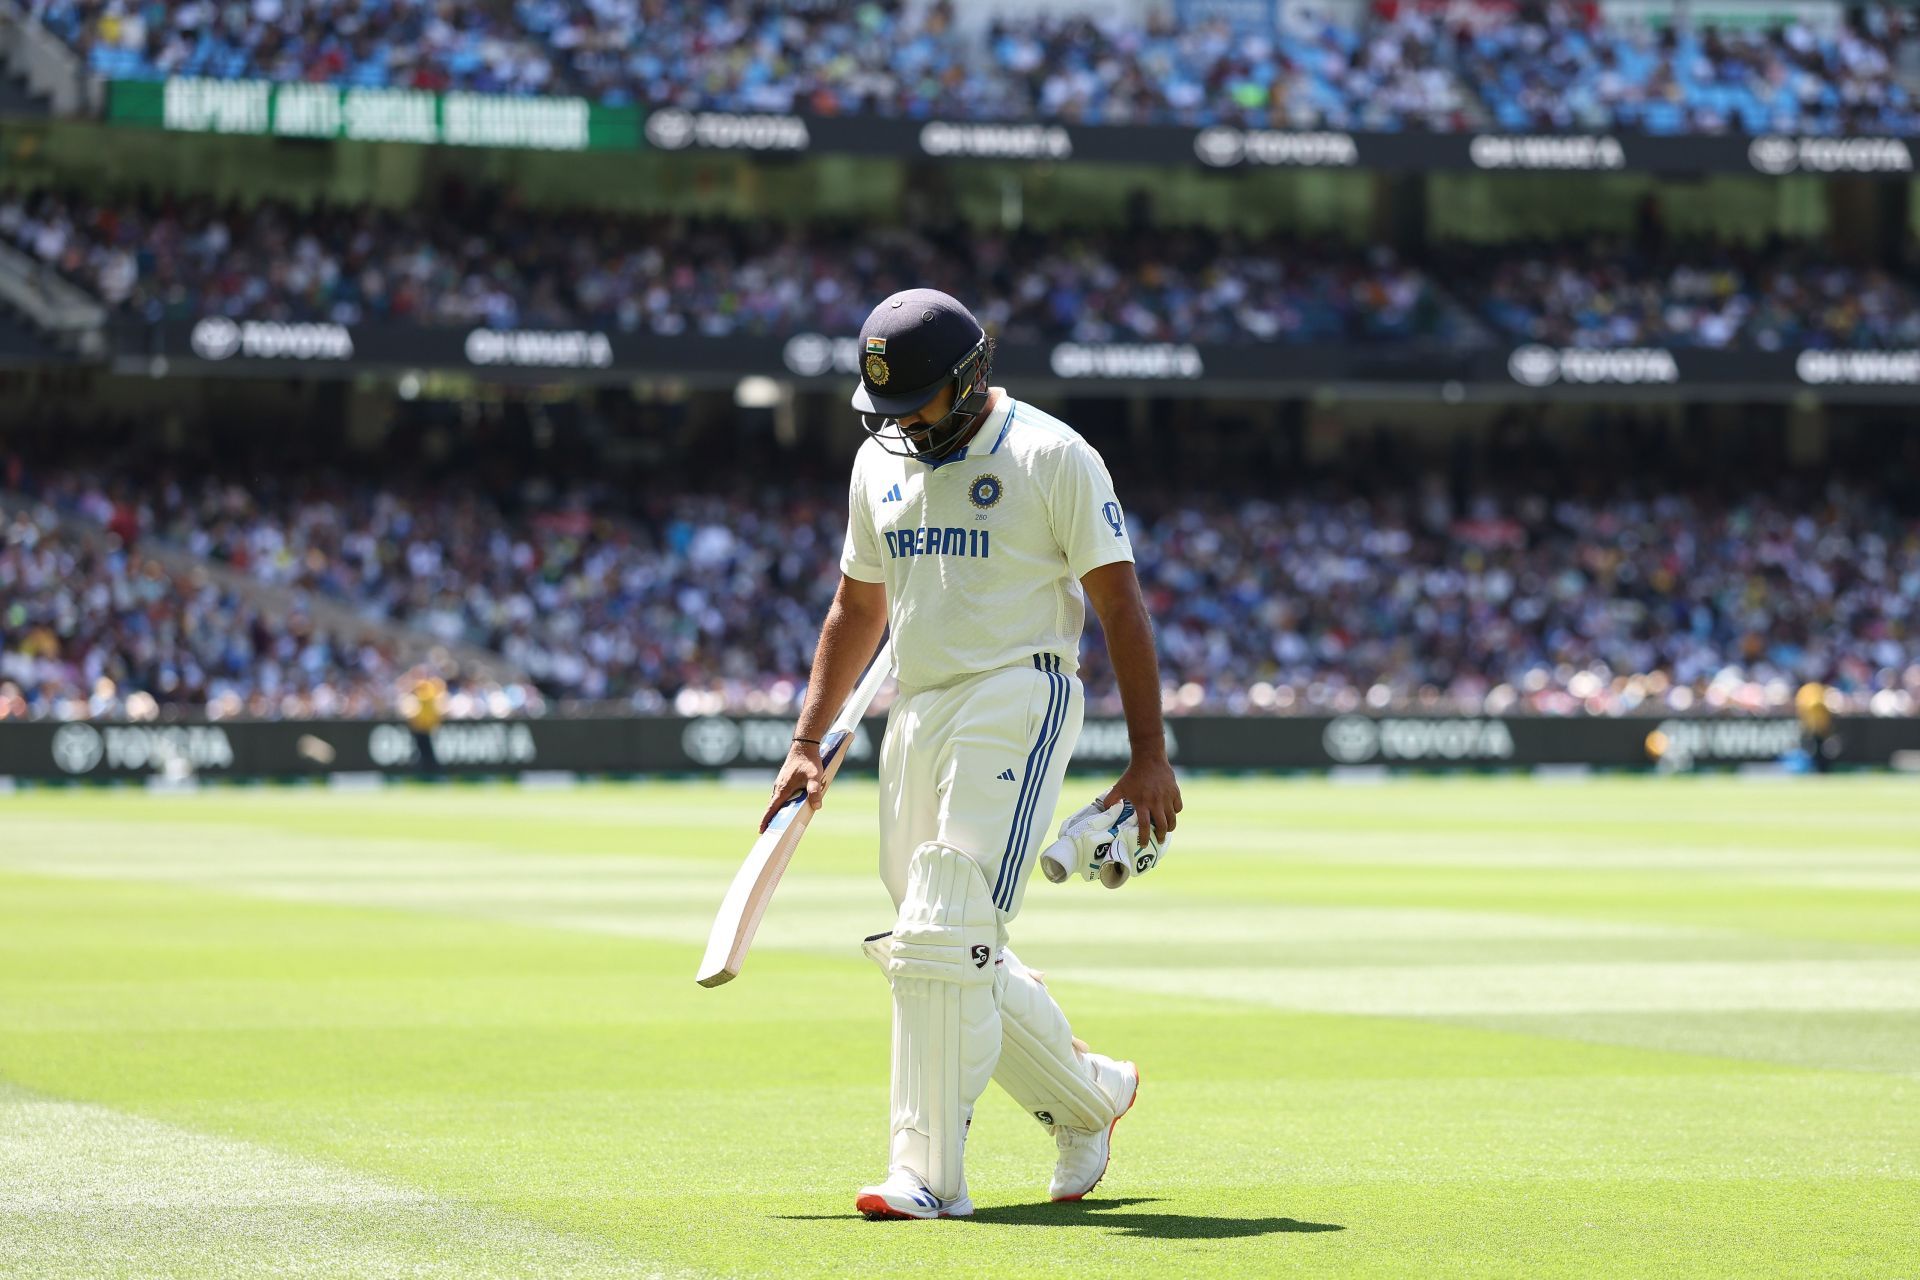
985	491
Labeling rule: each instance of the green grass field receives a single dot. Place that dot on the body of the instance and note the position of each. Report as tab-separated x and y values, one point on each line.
1476	1027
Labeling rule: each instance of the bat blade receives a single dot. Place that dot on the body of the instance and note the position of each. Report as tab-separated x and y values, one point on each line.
753	884
752	889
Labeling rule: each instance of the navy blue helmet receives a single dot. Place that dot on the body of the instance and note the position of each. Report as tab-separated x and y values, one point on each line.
912	347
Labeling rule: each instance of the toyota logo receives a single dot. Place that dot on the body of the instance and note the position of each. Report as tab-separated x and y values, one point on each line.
483	346
1351	739
389	745
215	338
1534	366
938	139
1773	154
1219	146
77	747
670	130
809	354
711	741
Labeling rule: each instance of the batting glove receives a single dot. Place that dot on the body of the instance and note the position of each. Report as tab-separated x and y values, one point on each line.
1101	841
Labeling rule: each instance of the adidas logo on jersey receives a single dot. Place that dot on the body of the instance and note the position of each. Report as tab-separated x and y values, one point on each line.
1006	775
891	495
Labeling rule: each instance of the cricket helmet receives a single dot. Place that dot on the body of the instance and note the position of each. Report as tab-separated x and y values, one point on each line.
912	346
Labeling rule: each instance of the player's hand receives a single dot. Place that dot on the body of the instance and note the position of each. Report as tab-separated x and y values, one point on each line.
801	771
1149	784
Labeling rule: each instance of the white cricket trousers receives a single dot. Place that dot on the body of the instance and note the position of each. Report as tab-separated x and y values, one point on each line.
977	765
972	771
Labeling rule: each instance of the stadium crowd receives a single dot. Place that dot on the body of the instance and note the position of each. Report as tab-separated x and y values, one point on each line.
1544	64
1526	602
479	258
1612	293
95	628
843	59
1496	597
684	591
1570	70
397	44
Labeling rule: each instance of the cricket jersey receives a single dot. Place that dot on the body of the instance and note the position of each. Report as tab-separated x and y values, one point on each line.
982	552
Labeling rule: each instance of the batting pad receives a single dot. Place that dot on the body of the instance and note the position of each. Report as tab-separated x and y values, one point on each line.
1041	1066
946	1028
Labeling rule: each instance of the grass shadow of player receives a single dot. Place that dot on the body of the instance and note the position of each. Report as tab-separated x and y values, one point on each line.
1151	1226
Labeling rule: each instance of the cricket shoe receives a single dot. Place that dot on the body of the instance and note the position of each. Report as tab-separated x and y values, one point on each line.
904	1196
1083	1156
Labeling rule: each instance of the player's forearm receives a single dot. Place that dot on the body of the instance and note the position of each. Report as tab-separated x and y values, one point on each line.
848	639
1136	669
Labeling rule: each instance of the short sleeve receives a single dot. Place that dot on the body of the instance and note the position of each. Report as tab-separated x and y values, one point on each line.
860	555
1087	520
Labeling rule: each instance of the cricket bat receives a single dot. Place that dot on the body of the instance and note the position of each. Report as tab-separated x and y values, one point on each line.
759	875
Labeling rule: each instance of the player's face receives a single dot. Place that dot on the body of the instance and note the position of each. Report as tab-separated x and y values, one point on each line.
916	424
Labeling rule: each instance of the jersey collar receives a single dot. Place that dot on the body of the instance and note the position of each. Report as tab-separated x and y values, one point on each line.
994	427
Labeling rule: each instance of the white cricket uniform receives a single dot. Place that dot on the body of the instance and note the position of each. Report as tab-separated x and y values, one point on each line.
982	557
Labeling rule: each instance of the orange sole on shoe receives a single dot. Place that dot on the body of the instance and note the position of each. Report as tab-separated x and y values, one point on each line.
876	1208
1139	1077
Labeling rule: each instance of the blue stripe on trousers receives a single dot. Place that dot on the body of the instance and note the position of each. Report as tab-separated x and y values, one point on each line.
1028	785
1046	762
1020	836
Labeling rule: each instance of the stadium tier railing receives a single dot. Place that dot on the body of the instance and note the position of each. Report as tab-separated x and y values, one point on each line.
65	313
51	69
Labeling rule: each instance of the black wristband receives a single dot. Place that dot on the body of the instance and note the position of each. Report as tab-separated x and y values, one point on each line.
813	741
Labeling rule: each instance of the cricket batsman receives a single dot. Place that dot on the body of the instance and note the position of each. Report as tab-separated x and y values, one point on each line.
978	528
